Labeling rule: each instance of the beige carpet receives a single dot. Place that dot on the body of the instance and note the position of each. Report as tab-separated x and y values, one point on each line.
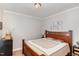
18	53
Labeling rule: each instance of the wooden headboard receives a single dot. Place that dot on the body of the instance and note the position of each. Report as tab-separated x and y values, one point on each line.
64	36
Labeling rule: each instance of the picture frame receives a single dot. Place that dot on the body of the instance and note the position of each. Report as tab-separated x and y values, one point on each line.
0	25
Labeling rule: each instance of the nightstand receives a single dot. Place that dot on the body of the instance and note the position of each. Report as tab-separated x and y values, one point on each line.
6	47
76	50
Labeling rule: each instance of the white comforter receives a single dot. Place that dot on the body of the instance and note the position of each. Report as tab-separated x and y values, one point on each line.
49	46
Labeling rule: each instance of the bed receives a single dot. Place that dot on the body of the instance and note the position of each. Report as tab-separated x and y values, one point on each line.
53	44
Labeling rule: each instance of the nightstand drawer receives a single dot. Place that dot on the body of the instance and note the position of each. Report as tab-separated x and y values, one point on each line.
5	54
75	52
76	49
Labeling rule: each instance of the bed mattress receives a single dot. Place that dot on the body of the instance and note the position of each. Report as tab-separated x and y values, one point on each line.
49	46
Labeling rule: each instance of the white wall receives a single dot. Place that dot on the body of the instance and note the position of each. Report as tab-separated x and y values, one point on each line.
21	26
70	19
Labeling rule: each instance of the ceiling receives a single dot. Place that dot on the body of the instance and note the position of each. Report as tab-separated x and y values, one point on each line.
46	9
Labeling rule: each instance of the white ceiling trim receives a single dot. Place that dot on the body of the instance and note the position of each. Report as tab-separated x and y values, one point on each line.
61	12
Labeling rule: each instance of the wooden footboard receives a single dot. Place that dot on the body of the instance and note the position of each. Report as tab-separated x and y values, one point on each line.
27	51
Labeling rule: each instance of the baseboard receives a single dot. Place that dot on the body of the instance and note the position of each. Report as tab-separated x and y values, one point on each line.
17	49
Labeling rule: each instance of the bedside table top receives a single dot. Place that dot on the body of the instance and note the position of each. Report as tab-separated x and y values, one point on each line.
75	46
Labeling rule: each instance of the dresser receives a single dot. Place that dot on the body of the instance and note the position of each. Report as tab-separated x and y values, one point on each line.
6	47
